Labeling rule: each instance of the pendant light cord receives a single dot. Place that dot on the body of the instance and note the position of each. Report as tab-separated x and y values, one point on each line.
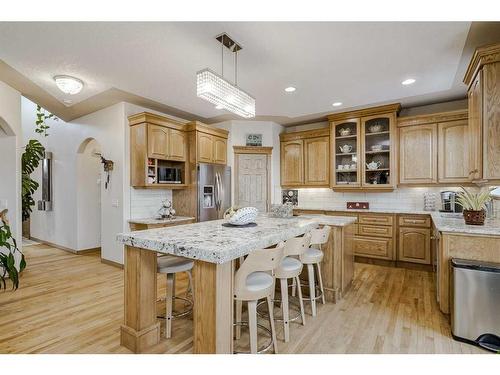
236	67
222	55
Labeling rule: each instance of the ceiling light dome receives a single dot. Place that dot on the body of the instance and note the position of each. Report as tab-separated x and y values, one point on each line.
408	81
337	104
290	89
68	85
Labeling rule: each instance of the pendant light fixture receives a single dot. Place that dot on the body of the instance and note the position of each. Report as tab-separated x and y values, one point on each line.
221	92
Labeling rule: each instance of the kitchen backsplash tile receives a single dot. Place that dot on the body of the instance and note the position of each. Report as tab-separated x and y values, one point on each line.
404	198
145	203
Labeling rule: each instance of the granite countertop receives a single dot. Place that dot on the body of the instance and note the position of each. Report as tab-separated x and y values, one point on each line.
211	242
448	223
335	221
152	220
409	211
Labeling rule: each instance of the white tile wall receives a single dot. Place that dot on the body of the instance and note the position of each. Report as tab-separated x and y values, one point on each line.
404	198
145	203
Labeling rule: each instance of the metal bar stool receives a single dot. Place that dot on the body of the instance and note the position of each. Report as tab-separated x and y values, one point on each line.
171	265
312	258
254	281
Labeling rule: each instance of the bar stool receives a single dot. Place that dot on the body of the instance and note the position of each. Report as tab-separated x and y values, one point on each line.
312	257
254	281
290	268
171	265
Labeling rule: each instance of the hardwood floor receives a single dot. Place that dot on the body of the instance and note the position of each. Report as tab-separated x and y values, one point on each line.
74	304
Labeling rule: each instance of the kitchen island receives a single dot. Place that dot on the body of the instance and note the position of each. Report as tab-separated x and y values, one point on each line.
214	247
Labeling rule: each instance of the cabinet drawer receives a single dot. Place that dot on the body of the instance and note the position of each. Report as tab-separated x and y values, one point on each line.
376	231
415	221
375	219
373	247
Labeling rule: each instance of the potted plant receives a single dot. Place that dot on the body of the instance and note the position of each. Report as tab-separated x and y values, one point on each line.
8	249
474	206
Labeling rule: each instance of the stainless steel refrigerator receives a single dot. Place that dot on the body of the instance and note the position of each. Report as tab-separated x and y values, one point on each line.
214	191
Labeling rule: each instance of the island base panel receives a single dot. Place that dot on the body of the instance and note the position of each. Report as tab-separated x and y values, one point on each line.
140	330
213	308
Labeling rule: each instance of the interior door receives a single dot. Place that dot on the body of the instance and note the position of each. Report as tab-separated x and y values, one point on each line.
252	181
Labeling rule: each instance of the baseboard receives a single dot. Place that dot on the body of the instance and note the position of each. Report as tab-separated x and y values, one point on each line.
111	263
393	263
64	248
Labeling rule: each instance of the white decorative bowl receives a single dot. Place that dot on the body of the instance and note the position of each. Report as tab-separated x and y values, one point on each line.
244	216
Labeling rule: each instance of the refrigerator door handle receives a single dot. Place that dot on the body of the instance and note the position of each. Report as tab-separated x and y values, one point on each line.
217	192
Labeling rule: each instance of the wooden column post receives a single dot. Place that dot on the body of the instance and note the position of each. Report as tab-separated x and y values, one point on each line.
213	308
140	329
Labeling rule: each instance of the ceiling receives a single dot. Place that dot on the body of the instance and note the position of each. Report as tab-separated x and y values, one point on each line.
358	64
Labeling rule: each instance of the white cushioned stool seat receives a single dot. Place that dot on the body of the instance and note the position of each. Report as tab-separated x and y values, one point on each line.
173	264
258	281
312	255
290	264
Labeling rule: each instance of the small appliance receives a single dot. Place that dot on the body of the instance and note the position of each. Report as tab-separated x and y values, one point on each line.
169	175
449	202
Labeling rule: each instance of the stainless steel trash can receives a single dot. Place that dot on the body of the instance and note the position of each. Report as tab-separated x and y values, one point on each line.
475	313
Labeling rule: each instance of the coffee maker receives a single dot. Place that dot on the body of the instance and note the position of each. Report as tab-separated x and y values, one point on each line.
449	202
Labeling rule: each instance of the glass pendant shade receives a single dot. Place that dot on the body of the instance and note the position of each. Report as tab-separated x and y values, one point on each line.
217	90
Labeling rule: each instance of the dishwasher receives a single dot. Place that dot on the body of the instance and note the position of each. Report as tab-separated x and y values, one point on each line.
475	312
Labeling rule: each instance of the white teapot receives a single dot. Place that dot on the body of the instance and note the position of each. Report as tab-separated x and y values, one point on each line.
345	149
373	165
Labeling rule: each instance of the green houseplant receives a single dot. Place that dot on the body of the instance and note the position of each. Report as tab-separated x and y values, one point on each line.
30	159
8	249
474	206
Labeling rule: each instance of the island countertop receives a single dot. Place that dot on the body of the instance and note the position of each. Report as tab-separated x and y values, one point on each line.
211	242
456	224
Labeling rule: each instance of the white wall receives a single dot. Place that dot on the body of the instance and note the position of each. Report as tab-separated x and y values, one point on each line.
89	179
60	226
270	138
11	143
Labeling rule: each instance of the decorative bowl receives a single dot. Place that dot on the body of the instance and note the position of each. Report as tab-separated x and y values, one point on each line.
344	132
474	217
376	147
243	216
376	128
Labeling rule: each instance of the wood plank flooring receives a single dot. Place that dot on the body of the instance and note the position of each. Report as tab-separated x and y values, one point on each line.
74	304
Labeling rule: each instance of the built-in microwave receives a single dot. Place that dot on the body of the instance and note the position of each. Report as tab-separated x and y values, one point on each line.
169	175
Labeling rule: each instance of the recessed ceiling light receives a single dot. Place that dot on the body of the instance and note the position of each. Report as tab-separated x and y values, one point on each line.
69	85
408	81
68	101
290	89
218	106
337	104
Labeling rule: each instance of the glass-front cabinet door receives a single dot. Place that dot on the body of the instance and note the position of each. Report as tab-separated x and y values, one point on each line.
345	151
377	145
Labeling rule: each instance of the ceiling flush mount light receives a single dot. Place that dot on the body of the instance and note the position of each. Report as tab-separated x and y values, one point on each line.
219	91
408	81
337	104
69	85
290	89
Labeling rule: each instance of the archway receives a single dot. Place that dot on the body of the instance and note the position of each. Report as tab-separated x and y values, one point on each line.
88	195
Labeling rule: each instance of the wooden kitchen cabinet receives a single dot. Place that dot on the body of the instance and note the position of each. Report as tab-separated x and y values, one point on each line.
165	143
317	161
433	149
292	163
414	245
156	141
483	81
418	154
361	138
211	149
453	152
305	158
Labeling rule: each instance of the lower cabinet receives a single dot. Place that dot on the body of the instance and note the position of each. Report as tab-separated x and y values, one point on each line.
380	248
414	245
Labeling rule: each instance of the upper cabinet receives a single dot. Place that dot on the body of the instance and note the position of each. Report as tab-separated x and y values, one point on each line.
210	143
434	148
483	81
365	149
305	158
418	154
166	143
